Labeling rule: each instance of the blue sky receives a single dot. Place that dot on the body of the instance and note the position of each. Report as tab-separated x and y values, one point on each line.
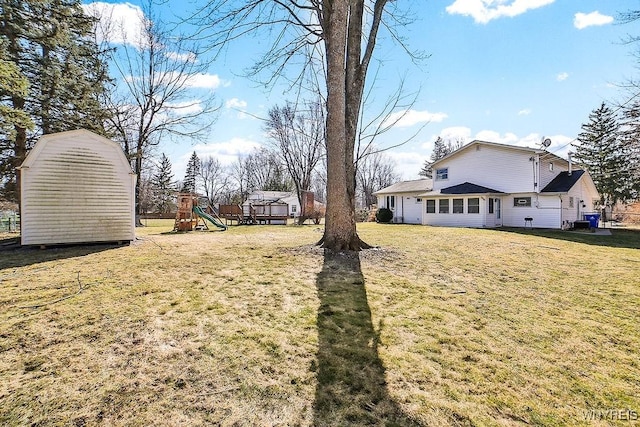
508	71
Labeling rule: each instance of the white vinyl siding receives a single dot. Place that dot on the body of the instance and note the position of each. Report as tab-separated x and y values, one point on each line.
545	211
546	174
77	187
406	208
503	169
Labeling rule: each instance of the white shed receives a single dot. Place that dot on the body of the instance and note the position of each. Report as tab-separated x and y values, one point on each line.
76	187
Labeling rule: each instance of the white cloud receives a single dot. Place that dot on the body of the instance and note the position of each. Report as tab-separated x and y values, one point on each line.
483	11
235	103
408	164
493	136
227	152
187	107
189	81
205	81
584	20
562	77
119	23
409	118
453	134
184	57
524	112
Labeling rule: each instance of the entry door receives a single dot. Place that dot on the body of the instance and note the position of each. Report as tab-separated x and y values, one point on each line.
498	206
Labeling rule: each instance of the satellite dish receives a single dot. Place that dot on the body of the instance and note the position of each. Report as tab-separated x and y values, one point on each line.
546	142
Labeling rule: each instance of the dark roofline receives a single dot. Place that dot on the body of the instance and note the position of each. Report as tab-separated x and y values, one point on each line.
469	188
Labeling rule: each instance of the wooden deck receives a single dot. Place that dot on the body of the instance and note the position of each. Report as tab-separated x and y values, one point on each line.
266	214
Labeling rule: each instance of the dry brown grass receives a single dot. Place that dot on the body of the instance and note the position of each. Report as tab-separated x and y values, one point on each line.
254	326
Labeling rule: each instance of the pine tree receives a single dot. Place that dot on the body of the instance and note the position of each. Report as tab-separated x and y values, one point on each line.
630	125
163	186
441	148
603	153
51	43
190	177
12	84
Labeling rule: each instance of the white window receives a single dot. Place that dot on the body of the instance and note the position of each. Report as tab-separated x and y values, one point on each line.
391	202
570	202
521	201
443	206
473	205
293	208
442	174
458	206
431	206
550	167
491	205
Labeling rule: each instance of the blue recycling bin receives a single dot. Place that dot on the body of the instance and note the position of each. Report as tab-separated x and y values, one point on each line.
593	218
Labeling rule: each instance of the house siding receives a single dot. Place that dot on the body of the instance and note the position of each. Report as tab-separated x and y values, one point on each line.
407	209
580	191
503	169
546	175
77	187
545	210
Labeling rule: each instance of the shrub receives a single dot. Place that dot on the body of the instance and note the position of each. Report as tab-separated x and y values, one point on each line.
384	215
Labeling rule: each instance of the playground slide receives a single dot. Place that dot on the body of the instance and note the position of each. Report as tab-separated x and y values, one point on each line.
208	217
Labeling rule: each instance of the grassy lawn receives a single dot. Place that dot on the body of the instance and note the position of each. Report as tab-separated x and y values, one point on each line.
256	327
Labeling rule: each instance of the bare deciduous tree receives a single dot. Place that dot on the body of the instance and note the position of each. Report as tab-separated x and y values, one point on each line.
375	172
298	135
215	180
153	98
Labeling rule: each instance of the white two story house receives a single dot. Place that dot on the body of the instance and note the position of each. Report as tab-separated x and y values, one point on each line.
485	184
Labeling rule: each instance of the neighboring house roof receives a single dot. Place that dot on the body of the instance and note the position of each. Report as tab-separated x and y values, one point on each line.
495	144
468	188
563	182
414	186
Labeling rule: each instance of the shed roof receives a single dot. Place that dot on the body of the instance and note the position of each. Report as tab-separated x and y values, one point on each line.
563	182
414	186
85	134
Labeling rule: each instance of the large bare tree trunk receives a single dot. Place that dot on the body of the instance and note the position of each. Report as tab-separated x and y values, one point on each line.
340	224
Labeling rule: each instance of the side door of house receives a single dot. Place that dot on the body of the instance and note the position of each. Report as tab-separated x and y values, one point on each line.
497	205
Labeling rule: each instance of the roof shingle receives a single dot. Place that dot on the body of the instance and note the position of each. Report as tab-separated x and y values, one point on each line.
563	182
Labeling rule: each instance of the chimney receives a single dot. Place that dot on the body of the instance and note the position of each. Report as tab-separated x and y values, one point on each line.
569	154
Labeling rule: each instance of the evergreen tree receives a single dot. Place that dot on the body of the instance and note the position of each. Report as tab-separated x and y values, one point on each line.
12	84
631	138
441	148
602	152
190	177
163	186
51	44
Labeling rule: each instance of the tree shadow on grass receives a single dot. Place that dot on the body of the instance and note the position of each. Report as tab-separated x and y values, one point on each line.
14	255
619	238
351	388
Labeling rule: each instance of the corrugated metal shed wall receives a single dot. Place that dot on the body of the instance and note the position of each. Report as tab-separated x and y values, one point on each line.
77	188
